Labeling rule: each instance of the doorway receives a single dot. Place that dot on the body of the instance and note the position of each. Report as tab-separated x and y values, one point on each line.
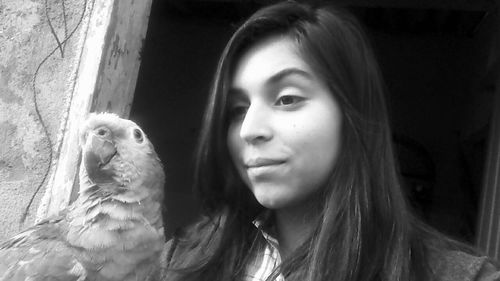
434	60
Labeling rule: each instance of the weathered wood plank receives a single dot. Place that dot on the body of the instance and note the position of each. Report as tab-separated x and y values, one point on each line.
488	224
120	65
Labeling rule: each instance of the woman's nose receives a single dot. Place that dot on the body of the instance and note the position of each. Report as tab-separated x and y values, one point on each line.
256	125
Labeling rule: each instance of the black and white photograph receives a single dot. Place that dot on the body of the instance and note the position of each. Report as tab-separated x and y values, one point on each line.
249	140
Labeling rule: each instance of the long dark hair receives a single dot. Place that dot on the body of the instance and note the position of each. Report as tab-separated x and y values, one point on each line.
365	231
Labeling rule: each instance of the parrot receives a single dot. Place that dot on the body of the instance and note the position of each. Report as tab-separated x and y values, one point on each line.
114	229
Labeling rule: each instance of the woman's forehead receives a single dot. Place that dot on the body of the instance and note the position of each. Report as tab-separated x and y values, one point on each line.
269	59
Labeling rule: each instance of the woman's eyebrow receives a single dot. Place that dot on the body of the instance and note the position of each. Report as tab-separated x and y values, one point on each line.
235	94
282	74
233	91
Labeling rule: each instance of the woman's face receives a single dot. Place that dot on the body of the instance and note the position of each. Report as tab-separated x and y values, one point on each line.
285	126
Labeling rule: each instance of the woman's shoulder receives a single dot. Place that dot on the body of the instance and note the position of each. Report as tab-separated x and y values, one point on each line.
455	265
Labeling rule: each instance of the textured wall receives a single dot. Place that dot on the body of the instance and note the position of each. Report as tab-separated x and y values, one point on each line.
26	41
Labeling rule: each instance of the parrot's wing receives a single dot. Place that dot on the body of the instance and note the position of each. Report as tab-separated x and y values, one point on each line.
40	253
114	230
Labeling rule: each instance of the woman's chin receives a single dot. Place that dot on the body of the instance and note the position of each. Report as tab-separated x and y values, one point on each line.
271	202
275	202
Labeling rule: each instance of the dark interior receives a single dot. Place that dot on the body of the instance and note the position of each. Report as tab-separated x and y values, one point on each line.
435	64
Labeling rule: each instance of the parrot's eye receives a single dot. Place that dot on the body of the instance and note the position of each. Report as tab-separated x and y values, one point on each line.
138	136
103	131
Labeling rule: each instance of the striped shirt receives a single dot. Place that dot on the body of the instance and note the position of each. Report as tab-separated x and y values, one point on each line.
266	261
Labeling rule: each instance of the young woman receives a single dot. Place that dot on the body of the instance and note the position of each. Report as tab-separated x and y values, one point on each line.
296	171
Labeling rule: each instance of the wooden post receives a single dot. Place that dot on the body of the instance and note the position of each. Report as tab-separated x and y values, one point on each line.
488	231
488	226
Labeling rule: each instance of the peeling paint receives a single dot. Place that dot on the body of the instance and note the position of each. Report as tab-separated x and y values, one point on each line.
122	58
117	51
22	139
6	94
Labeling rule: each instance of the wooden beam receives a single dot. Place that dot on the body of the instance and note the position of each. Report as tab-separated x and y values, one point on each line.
488	225
468	5
122	56
488	229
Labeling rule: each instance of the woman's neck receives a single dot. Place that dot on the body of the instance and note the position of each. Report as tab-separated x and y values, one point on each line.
293	226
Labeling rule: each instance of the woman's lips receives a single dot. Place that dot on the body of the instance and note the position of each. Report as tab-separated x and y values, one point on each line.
262	162
259	167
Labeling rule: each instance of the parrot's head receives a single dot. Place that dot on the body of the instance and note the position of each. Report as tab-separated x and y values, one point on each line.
118	159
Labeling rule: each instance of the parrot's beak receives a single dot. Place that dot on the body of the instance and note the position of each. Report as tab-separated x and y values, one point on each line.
98	152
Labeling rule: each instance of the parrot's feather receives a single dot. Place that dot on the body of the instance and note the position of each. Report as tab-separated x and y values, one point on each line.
114	230
40	253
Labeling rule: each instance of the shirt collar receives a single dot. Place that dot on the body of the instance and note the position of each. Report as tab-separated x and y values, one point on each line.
265	224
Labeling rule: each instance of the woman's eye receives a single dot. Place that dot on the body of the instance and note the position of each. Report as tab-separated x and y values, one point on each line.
237	112
288	100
